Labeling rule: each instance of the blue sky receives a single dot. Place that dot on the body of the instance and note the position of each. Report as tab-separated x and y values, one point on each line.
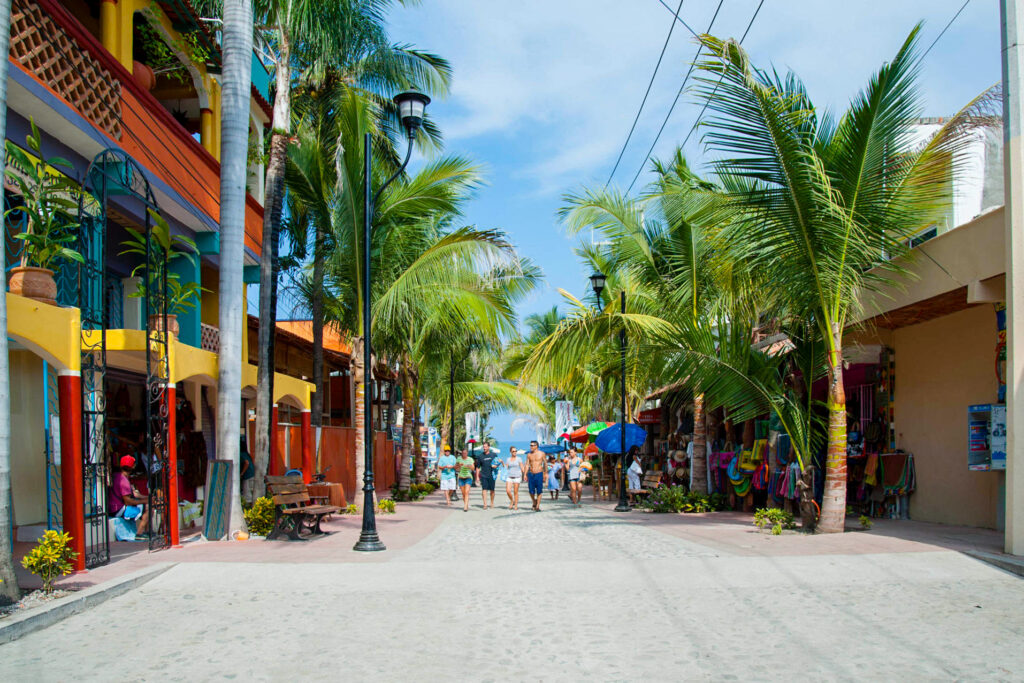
545	90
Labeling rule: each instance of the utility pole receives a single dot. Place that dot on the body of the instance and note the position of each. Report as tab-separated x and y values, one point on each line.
1012	20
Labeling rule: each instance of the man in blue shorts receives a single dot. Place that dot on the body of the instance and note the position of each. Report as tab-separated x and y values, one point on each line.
536	469
486	465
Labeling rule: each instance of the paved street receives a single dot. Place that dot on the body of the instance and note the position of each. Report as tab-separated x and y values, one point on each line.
567	593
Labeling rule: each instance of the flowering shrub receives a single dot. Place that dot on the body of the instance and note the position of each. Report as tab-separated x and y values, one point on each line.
260	517
51	558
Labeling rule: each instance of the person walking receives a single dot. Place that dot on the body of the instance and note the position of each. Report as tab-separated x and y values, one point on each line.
554	477
573	464
513	477
537	467
466	469
487	464
446	466
634	472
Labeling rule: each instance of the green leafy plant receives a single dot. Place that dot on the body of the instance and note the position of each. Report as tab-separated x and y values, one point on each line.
679	499
386	505
774	517
350	509
865	522
777	529
49	200
160	53
166	249
51	558
260	517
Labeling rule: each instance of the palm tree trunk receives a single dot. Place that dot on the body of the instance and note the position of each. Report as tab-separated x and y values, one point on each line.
273	210
317	407
358	377
407	431
833	505
8	581
699	466
235	95
421	462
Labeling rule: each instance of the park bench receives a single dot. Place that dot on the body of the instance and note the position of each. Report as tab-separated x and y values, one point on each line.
293	511
651	481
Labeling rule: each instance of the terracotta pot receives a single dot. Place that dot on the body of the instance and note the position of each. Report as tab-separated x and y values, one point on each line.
143	75
156	322
33	283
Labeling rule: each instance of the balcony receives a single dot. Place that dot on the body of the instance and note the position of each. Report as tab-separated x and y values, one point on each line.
210	339
53	49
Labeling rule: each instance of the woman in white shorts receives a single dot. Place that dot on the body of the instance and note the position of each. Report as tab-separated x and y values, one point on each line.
513	478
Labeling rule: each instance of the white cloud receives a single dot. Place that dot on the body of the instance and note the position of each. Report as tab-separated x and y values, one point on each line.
560	80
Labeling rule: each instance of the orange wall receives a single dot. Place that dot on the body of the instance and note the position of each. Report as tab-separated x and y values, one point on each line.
942	366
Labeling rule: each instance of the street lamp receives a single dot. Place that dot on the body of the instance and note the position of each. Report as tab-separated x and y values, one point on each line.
597	281
410	110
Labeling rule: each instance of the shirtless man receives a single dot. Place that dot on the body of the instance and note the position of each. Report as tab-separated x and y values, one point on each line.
537	469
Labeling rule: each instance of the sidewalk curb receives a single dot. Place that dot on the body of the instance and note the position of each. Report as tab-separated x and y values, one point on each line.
16	626
1009	563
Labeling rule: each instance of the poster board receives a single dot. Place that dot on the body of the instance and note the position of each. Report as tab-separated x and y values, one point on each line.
217	510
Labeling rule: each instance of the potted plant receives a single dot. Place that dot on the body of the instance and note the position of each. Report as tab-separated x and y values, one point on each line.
49	201
166	249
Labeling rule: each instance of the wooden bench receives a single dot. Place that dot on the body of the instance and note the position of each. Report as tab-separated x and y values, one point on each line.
293	512
651	481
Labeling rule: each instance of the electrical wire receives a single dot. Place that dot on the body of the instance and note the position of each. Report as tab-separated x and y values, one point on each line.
679	19
671	28
664	123
943	31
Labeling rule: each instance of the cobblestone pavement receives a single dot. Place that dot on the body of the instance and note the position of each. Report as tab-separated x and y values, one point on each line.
567	593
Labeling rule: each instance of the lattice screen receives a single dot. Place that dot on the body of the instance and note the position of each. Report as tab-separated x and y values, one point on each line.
41	46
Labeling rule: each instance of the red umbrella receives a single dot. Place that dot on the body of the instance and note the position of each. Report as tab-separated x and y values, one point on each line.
578	436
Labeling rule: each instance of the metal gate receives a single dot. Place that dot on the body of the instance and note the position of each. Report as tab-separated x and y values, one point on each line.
114	173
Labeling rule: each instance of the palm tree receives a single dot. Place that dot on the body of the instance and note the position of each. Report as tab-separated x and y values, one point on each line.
8	581
411	259
316	40
237	45
446	290
820	202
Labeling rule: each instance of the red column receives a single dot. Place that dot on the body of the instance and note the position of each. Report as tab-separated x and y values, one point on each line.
274	467
171	498
307	446
69	396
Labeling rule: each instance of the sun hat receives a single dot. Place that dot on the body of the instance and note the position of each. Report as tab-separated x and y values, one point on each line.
127	461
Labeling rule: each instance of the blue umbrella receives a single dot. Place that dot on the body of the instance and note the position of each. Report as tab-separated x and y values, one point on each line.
610	439
552	448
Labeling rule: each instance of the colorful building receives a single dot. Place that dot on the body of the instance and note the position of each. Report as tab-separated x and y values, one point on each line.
126	91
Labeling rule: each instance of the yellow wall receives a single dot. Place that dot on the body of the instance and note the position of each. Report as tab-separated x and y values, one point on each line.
28	459
942	366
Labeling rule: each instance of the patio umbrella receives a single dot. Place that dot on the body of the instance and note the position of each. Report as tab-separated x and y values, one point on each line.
595	428
552	448
591	449
578	436
610	439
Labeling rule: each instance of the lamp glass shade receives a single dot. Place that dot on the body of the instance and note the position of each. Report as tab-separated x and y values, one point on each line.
597	281
410	106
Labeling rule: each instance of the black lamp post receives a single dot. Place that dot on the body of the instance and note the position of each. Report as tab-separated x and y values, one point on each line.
410	109
597	281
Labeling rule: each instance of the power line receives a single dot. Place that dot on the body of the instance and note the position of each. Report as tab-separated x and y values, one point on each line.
679	19
696	120
943	31
632	128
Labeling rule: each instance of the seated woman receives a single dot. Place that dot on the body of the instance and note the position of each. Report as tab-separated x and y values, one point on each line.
126	504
